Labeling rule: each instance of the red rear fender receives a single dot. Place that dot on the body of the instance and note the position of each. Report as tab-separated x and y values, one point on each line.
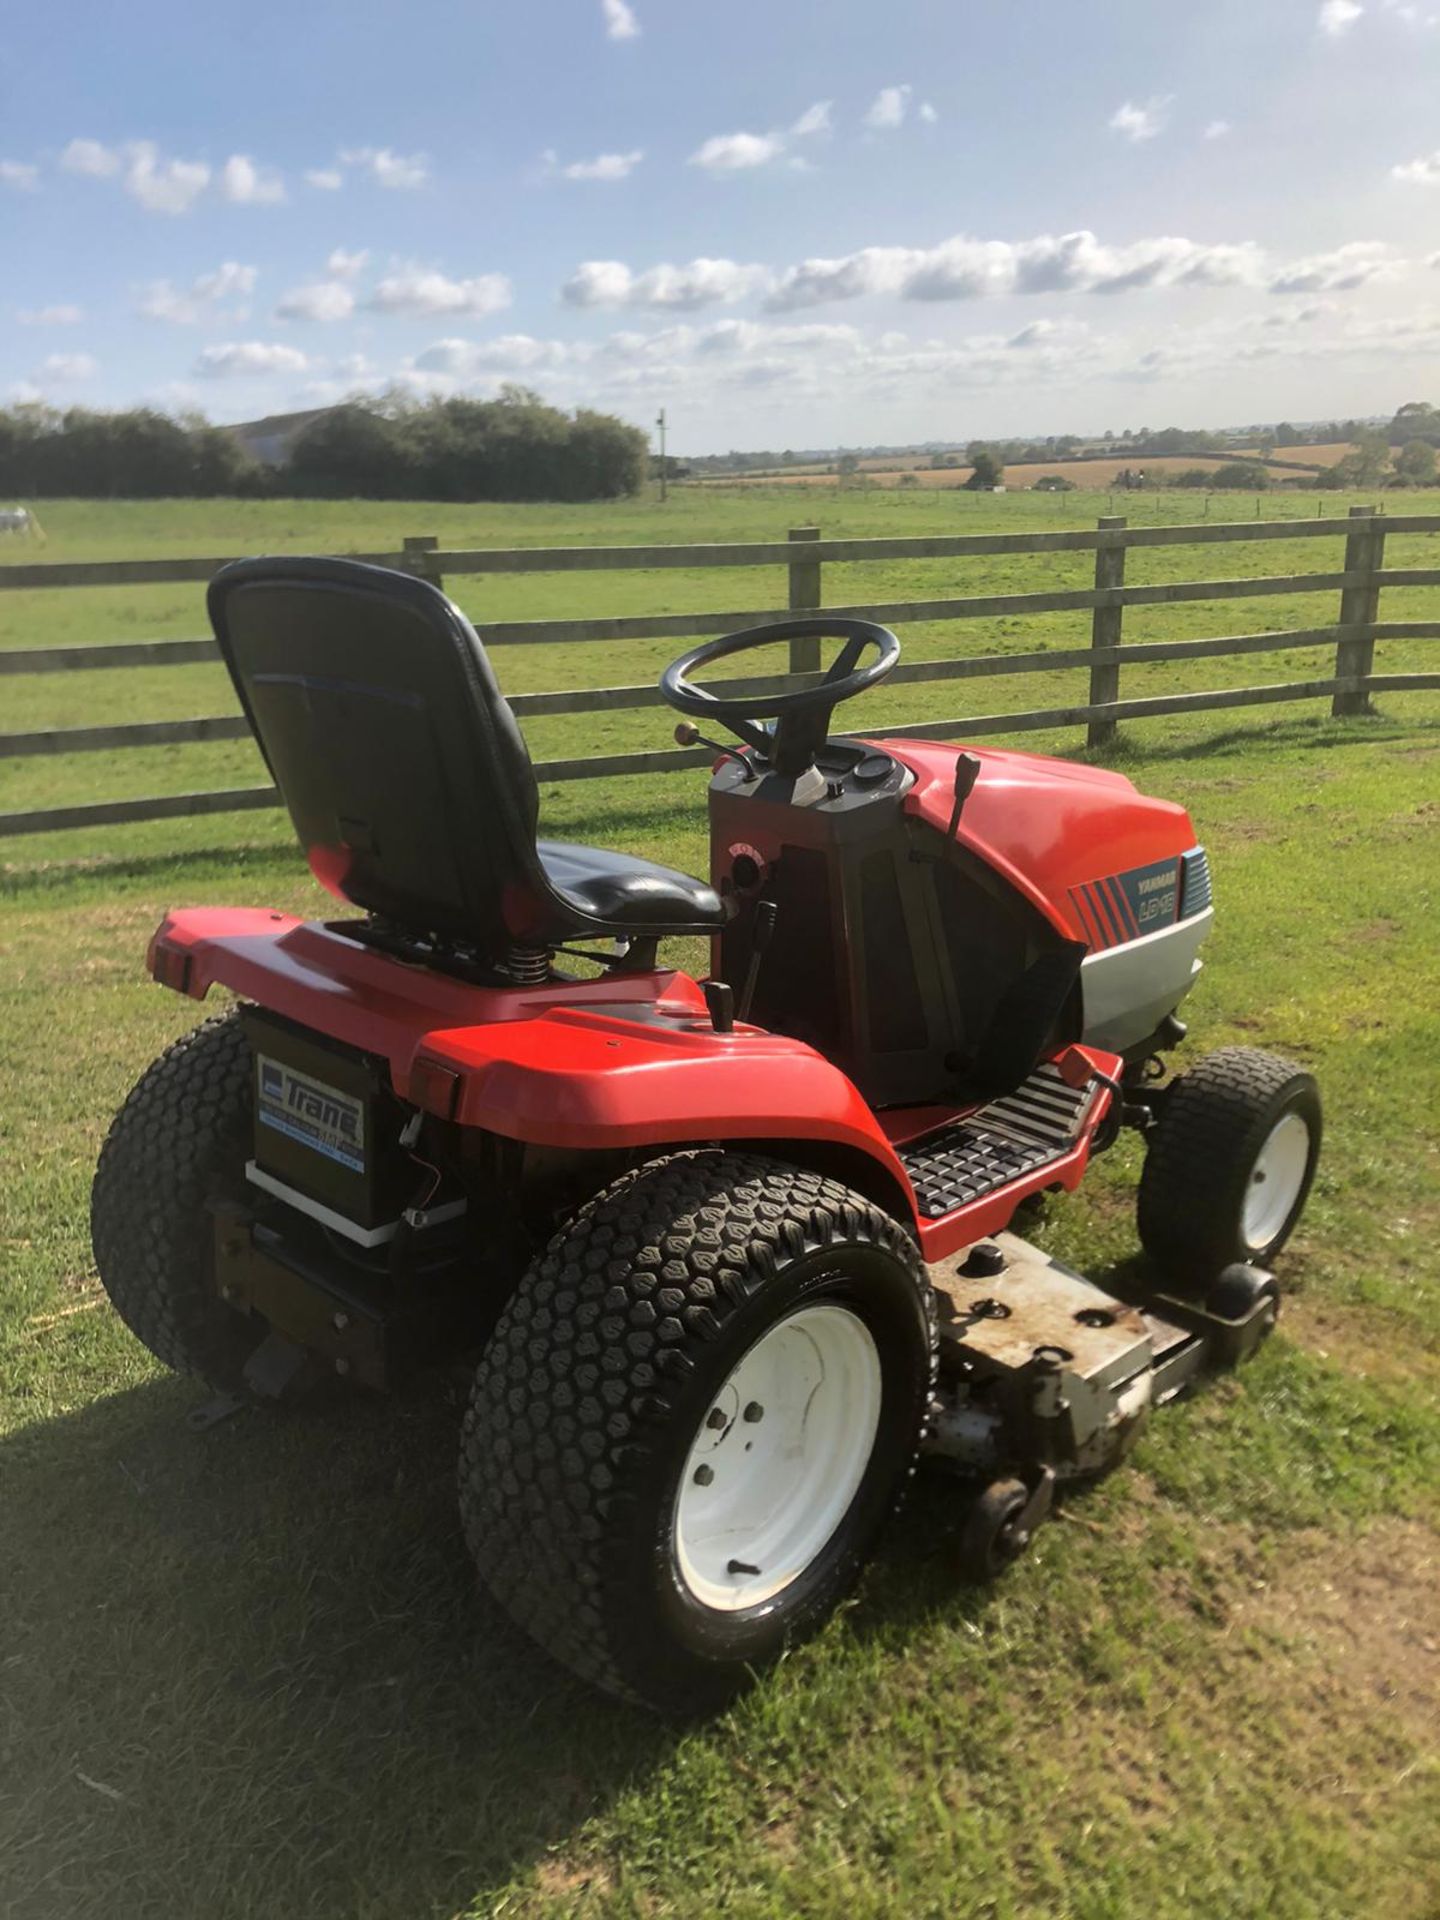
629	1060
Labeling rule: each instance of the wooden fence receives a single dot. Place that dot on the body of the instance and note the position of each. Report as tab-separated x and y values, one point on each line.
1353	635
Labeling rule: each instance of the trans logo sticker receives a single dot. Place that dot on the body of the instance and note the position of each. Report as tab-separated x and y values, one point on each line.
312	1113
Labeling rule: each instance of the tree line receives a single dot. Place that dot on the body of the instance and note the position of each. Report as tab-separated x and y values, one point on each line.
514	447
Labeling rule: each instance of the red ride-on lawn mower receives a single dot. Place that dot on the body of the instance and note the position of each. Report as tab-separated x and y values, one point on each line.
729	1256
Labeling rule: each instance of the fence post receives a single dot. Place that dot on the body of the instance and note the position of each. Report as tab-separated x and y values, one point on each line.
804	598
1359	606
1105	631
418	549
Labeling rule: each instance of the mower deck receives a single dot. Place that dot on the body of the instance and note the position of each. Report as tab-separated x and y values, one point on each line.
1045	1373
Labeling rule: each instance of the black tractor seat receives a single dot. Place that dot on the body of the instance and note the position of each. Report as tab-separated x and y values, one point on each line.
406	777
630	895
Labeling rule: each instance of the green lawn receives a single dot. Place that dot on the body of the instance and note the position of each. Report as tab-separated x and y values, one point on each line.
247	1672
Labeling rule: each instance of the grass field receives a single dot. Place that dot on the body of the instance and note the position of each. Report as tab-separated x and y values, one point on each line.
247	1672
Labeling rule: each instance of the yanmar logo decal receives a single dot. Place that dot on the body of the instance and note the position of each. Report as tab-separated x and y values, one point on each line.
307	1110
1125	906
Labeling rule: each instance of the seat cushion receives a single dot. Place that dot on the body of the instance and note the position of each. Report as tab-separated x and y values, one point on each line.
632	896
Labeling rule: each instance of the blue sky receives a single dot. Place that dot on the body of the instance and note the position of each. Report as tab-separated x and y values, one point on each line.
789	224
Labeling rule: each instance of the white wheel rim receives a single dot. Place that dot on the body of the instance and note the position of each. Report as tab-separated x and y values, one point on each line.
1275	1180
778	1458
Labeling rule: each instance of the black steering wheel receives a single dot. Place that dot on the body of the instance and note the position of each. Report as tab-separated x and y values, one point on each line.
802	717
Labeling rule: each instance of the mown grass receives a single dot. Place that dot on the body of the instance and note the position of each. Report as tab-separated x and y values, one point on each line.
248	1672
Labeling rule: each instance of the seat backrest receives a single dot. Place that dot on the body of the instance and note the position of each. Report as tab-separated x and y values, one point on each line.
403	769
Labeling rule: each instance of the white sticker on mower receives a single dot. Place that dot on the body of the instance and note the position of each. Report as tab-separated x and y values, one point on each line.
308	1111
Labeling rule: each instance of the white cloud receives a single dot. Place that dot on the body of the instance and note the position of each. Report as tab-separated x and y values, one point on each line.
814	120
51	317
968	269
1424	172
605	166
164	185
326	179
228	278
345	266
246	185
161	185
184	307
1342	271
1338	16
91	158
620	21
418	290
889	108
928	113
246	357
321	300
65	369
738	152
1141	120
20	175
700	283
510	353
1216	130
398	171
734	152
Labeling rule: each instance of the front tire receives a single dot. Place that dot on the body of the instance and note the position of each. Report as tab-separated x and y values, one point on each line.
693	1419
1229	1164
180	1140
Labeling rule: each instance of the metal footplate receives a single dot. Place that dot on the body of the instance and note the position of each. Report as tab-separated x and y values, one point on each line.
1012	1136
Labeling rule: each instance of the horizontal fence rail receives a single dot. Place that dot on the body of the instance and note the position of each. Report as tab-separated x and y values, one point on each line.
1353	635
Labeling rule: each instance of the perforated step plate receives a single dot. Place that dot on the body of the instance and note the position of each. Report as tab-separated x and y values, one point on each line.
1014	1135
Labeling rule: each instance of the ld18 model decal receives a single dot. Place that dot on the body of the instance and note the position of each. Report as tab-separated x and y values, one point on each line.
310	1112
1124	906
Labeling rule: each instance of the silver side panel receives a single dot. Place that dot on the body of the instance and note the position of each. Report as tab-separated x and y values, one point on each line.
1127	991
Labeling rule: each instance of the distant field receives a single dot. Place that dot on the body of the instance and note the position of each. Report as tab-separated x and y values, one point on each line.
1095	475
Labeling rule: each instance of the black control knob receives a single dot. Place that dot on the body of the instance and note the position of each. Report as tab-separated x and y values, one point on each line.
720	999
984	1261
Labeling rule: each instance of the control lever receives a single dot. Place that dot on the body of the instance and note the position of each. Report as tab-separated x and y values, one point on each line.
967	772
720	999
687	734
1077	1072
766	913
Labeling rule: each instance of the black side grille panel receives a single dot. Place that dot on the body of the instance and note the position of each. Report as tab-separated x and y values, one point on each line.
1195	889
1012	1136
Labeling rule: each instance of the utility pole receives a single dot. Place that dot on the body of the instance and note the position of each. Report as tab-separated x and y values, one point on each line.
660	423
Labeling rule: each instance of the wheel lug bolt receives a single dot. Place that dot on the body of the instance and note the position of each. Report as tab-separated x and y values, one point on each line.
716	1419
704	1475
754	1412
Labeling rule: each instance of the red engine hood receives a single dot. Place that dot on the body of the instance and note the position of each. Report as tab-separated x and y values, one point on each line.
1045	825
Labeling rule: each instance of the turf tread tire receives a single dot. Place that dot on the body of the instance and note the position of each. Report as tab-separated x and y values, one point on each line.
1200	1153
579	1380
181	1136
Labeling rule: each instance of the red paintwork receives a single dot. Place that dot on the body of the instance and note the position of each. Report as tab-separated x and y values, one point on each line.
540	1064
1044	825
563	1066
630	1060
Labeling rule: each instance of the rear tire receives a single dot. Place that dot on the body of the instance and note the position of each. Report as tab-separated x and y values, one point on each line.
1229	1164
181	1139
621	1491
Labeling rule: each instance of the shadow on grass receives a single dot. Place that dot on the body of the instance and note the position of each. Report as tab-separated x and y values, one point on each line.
1303	733
250	1670
108	869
